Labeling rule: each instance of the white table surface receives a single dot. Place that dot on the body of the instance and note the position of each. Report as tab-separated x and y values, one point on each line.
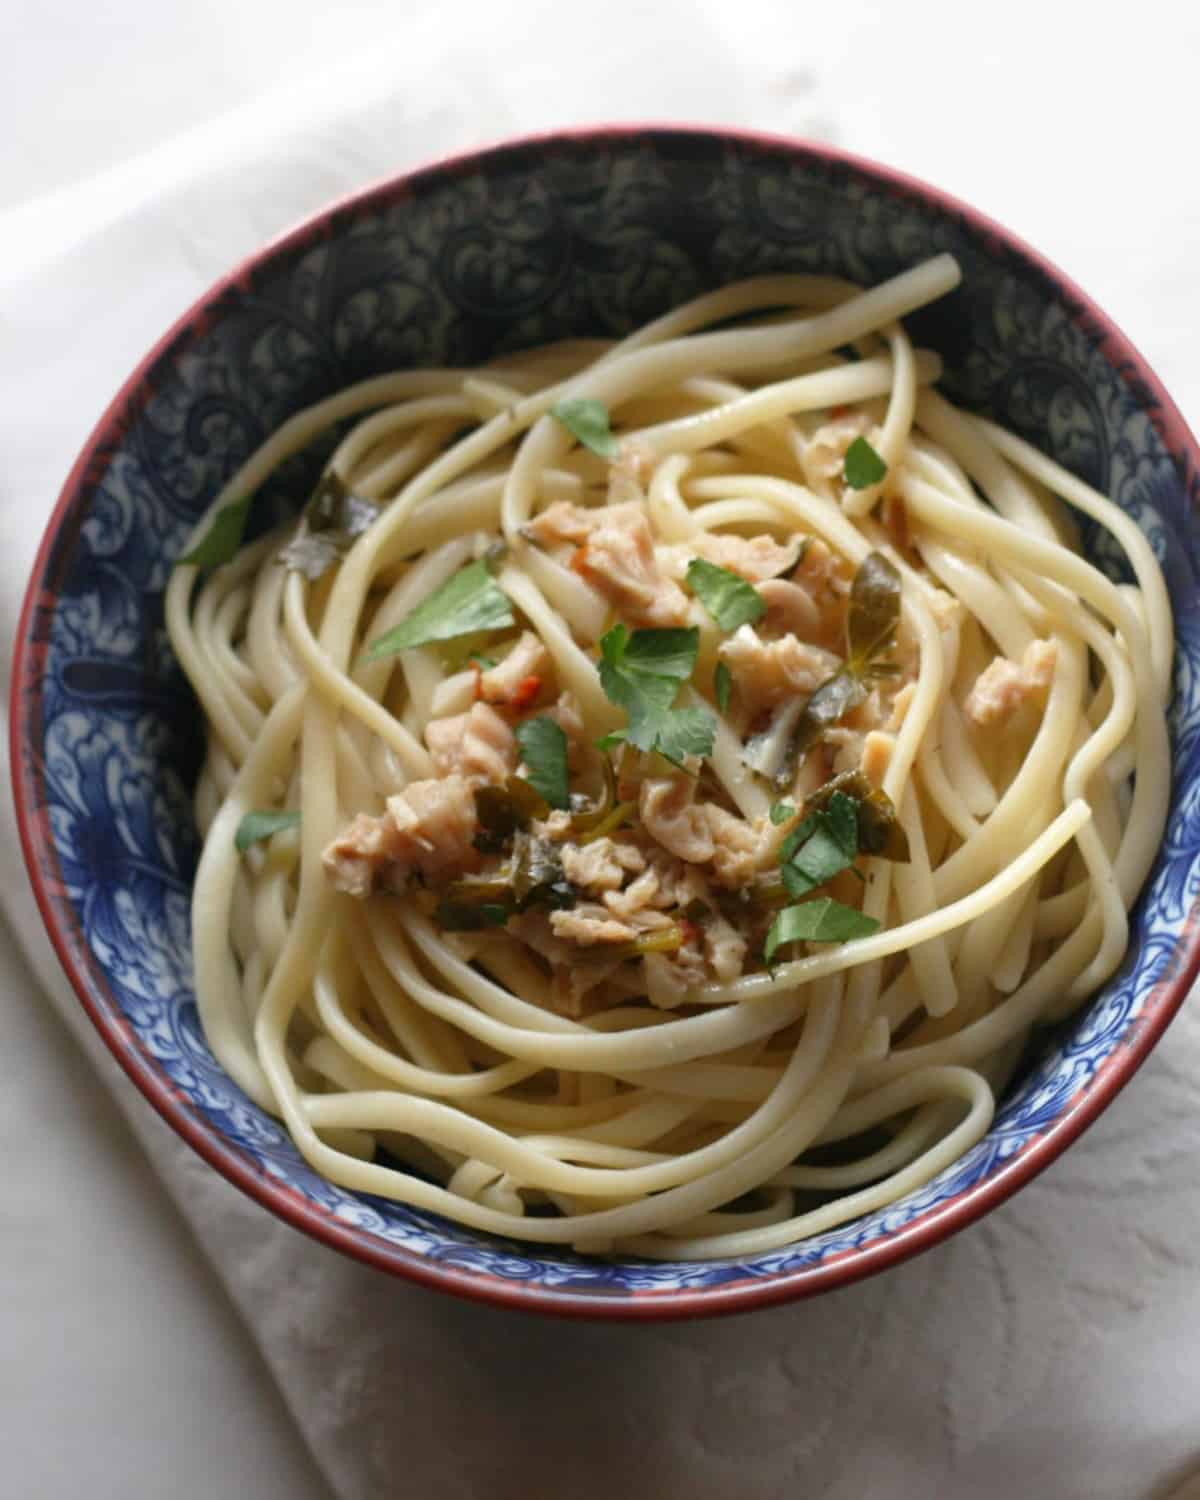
126	1372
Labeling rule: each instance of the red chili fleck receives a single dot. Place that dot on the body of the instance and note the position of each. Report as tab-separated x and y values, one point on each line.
478	670
526	691
579	560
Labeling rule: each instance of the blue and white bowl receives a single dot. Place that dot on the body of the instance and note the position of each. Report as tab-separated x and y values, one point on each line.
584	233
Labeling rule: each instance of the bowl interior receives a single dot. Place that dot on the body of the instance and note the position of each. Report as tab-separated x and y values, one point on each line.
591	234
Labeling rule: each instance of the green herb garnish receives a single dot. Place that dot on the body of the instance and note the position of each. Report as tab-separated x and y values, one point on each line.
722	686
537	875
587	816
532	876
587	421
484	663
256	826
879	830
461	916
828	705
334	507
864	467
842	819
544	751
728	598
839	824
874	613
221	541
642	673
689	731
822	921
825	844
781	812
504	811
871	622
470	601
663	940
333	518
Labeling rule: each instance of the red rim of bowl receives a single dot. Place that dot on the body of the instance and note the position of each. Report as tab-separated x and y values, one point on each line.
929	1228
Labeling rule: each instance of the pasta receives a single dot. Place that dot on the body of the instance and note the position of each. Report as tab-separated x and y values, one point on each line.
657	787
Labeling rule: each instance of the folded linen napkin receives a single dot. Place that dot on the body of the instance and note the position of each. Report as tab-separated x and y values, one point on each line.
1046	1351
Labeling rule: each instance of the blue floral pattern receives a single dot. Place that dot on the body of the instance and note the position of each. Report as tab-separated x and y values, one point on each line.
528	243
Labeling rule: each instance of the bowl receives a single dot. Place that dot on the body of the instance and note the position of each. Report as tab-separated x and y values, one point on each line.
588	232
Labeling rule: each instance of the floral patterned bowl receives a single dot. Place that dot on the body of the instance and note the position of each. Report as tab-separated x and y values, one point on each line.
581	233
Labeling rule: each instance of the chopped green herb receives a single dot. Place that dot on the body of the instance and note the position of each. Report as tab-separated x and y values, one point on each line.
824	845
221	541
256	826
829	703
504	811
781	812
334	507
642	672
532	876
460	916
728	598
466	603
651	655
527	797
864	467
662	940
333	518
484	663
874	612
822	921
871	623
879	830
722	686
685	731
619	814
587	421
474	890
588	816
544	751
845	817
537	876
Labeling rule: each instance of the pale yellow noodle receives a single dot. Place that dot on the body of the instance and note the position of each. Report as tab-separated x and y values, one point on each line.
431	1067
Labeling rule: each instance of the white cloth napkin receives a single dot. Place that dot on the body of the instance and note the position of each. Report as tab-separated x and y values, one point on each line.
1049	1350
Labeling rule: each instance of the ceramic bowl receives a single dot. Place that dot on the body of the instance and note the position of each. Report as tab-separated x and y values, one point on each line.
584	233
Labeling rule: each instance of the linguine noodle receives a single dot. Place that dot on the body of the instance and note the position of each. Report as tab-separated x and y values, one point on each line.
615	1061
